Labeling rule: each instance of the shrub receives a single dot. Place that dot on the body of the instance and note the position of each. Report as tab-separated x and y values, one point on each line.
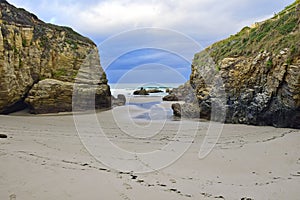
59	73
269	64
24	42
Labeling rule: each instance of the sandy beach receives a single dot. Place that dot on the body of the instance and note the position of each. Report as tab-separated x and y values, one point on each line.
44	157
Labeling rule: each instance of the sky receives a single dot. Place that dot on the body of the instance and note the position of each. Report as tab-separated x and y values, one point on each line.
136	35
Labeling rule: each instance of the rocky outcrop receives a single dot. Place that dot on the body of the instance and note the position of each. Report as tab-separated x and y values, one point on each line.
119	101
57	96
155	90
183	93
187	110
272	95
39	62
170	97
141	91
53	93
259	71
176	107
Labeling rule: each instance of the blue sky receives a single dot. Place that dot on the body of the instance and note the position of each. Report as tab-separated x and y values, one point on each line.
150	65
199	21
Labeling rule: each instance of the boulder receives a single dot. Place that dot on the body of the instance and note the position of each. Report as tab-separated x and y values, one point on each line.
3	135
51	96
176	107
190	110
186	110
170	97
184	92
119	101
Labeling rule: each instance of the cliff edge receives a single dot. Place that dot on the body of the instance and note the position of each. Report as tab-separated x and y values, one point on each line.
260	72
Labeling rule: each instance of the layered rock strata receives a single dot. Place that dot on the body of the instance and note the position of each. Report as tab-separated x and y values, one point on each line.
40	62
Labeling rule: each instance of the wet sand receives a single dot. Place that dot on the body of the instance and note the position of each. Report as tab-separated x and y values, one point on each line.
44	157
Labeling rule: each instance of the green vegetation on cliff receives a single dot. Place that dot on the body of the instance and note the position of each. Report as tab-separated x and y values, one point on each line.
259	70
273	35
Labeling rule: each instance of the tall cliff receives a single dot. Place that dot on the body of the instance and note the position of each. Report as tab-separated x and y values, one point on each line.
39	63
260	72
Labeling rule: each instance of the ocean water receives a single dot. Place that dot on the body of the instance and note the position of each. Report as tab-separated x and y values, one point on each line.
127	89
151	106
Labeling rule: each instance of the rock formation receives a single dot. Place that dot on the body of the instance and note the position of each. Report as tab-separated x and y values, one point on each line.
119	101
40	62
170	97
155	90
141	91
183	93
259	71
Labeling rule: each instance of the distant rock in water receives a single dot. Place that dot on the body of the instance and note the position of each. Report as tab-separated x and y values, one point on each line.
260	72
154	91
40	62
144	91
141	91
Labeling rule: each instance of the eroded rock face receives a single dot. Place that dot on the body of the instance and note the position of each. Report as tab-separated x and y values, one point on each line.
34	54
256	93
183	93
58	97
259	71
53	93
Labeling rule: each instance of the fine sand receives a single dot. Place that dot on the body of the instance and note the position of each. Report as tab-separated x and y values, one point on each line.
44	157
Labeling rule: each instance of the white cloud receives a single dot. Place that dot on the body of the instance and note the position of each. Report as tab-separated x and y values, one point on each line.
201	19
205	21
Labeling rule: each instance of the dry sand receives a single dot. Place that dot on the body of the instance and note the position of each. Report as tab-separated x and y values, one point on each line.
43	158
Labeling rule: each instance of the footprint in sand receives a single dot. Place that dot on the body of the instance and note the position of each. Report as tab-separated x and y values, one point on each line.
127	186
12	197
173	190
296	174
172	180
162	185
133	177
124	196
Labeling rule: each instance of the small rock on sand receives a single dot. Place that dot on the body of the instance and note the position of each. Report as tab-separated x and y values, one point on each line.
3	135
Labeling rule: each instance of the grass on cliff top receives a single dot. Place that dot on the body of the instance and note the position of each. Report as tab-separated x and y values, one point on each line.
17	15
72	37
70	33
273	35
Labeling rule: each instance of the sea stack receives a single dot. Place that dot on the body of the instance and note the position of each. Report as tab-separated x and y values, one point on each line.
40	62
